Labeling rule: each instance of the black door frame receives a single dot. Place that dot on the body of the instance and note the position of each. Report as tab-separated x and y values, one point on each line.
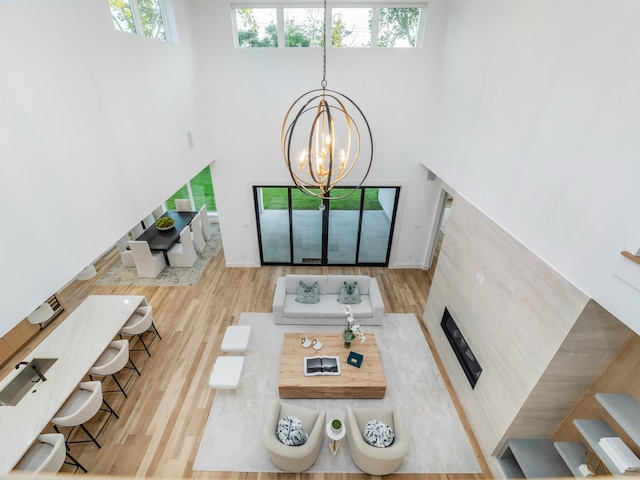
325	228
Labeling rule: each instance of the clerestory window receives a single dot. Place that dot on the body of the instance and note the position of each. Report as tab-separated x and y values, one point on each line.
148	18
351	27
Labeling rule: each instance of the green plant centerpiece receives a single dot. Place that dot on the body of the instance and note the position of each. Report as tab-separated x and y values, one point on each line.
336	425
164	223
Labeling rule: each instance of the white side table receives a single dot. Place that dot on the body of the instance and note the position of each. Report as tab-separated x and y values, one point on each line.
335	437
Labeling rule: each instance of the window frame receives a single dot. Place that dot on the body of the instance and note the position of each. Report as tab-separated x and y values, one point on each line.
168	21
279	7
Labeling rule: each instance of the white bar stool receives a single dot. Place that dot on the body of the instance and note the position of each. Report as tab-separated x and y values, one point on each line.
80	407
139	323
113	360
46	455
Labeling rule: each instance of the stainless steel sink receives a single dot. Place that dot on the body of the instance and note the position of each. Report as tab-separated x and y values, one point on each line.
24	382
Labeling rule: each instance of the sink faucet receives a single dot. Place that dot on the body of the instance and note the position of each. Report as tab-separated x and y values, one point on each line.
35	368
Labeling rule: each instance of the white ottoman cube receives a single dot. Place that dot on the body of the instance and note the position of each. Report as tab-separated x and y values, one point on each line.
226	372
236	338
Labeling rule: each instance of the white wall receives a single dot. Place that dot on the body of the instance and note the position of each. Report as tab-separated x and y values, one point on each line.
534	119
251	90
93	129
94	125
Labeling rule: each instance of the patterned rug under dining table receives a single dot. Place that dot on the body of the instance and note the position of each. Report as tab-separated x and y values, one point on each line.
367	381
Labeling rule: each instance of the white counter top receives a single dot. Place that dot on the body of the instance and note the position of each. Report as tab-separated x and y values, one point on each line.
77	343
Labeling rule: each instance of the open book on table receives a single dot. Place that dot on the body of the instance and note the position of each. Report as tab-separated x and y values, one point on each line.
321	366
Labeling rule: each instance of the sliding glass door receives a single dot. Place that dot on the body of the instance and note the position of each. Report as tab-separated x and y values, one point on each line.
306	228
272	205
297	229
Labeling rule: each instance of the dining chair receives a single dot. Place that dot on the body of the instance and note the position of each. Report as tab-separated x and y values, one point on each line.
81	406
126	256
113	360
159	211
183	205
196	235
149	264
207	231
138	324
149	220
123	242
183	254
137	230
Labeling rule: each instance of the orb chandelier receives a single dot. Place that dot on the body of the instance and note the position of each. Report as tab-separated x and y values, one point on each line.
321	139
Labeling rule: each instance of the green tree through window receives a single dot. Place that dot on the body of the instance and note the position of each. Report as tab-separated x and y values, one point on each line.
141	17
350	27
253	33
397	25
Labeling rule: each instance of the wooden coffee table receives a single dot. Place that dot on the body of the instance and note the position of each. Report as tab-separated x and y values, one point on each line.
365	382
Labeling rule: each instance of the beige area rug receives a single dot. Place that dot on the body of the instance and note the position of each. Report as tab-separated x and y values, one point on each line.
170	276
232	440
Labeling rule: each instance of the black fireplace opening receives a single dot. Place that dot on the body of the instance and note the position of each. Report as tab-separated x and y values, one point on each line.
463	352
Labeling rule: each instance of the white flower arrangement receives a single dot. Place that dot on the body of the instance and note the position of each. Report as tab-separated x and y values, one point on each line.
352	329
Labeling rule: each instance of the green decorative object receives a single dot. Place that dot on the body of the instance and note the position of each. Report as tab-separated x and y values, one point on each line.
348	336
164	223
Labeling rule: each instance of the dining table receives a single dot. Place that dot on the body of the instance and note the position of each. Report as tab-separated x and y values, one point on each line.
75	345
163	240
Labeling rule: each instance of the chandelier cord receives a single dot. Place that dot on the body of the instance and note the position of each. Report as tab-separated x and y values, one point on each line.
323	84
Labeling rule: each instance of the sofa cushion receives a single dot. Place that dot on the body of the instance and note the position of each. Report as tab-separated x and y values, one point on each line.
335	283
307	293
327	307
292	282
349	293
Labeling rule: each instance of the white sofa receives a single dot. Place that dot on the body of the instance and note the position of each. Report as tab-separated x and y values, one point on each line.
328	311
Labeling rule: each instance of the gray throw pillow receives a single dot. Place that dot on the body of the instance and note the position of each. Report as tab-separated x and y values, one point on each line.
349	293
378	434
291	432
307	293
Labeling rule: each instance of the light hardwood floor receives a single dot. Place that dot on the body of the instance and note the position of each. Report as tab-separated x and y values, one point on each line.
160	424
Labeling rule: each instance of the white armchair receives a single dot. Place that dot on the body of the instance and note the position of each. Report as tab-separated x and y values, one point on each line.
370	459
300	458
149	265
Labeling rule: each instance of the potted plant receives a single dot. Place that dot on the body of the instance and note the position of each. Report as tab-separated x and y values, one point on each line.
352	330
336	425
